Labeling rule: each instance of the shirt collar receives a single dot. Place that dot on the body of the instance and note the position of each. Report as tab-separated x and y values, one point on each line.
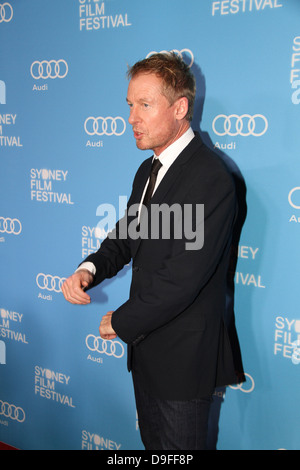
168	156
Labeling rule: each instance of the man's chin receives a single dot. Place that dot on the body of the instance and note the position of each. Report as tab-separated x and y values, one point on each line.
142	146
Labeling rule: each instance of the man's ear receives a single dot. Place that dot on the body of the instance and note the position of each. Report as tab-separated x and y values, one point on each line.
182	108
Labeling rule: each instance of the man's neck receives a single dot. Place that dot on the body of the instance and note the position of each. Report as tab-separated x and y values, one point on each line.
183	129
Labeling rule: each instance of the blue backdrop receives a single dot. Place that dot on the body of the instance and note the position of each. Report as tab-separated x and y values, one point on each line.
66	149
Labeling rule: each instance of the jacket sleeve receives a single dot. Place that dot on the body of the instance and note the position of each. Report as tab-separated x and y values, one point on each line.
174	287
111	257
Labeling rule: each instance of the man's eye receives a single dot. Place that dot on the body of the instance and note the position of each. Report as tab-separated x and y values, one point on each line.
146	105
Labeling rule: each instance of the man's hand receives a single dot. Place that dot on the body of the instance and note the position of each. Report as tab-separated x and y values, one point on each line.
106	331
73	287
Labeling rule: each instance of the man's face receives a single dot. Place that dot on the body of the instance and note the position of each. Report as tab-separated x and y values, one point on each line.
156	124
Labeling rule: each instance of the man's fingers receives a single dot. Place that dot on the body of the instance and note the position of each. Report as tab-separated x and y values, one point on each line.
108	337
106	331
73	292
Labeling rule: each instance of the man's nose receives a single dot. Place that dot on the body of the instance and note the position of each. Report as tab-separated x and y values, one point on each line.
133	118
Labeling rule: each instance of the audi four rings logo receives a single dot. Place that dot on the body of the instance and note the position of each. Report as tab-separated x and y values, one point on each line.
10	226
49	69
103	346
6	13
243	387
244	125
105	126
50	283
182	54
12	412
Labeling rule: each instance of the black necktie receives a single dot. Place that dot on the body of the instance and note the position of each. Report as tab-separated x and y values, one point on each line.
156	166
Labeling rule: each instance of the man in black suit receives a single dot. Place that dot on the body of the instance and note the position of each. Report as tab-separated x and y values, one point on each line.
178	345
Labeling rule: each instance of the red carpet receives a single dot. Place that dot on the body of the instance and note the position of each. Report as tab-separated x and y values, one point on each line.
6	447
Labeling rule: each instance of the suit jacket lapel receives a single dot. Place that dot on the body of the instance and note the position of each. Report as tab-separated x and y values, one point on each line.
174	172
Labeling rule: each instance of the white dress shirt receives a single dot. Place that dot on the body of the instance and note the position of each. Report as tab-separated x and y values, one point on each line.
167	158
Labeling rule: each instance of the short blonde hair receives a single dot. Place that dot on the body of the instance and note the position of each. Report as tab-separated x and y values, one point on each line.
178	79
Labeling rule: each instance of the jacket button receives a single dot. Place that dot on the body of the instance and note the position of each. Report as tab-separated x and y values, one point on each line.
135	269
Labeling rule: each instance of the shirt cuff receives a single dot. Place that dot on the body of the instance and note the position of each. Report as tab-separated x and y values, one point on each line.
88	266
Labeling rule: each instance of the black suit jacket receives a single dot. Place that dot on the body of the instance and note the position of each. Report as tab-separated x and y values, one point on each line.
173	322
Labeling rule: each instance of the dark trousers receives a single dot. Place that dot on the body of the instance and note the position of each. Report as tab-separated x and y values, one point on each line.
171	425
